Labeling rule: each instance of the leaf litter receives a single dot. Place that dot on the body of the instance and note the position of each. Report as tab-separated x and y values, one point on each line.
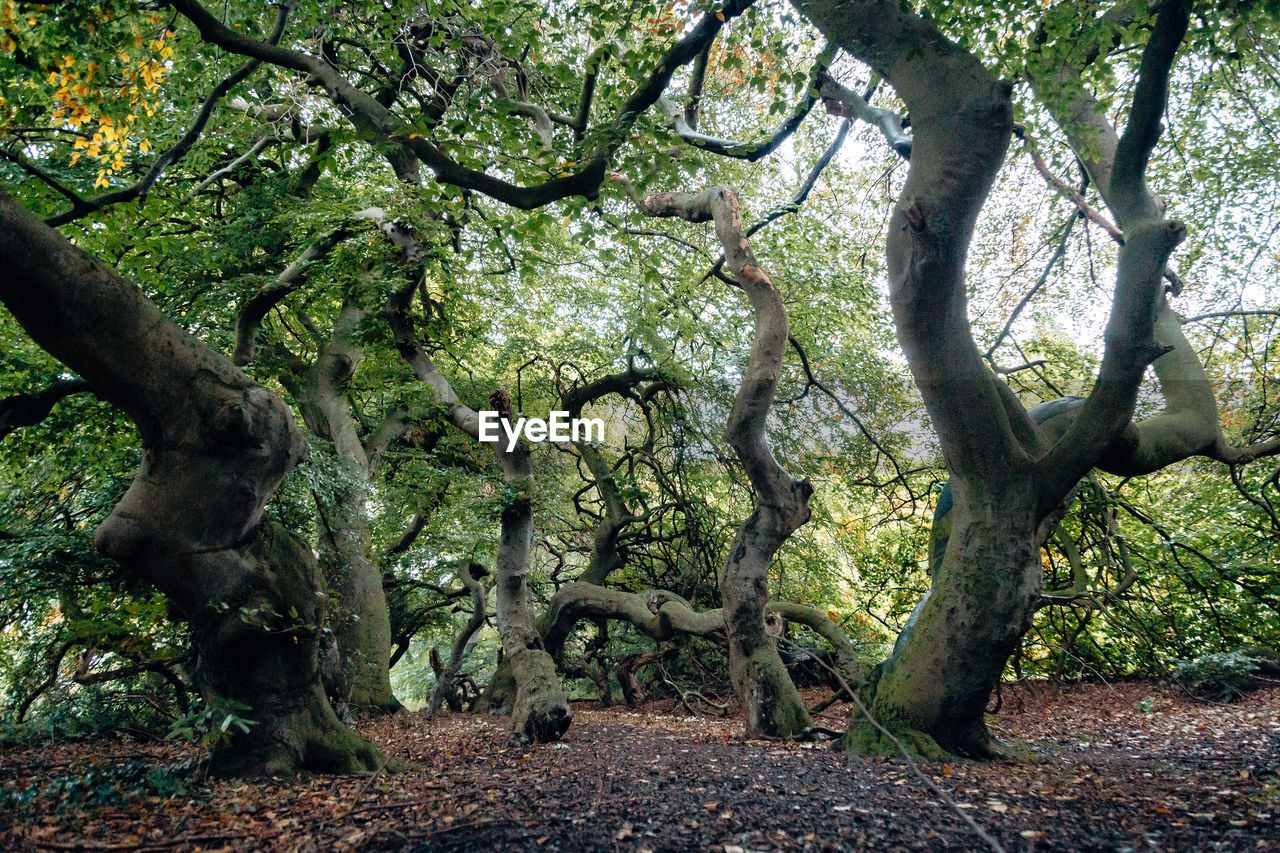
1125	766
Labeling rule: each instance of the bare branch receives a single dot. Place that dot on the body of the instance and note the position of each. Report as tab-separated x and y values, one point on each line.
23	410
377	121
1065	231
36	172
218	174
252	312
1074	195
845	102
1131	198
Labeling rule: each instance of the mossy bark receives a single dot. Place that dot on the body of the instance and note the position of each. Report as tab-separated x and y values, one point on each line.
773	706
540	712
933	689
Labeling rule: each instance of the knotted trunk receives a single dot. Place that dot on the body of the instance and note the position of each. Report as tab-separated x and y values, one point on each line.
215	447
772	705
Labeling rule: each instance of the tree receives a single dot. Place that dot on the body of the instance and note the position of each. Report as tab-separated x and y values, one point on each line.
216	445
1009	477
372	91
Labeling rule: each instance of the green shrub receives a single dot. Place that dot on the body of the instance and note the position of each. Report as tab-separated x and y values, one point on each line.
1221	676
100	784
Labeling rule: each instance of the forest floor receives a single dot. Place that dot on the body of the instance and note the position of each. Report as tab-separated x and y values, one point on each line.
1128	766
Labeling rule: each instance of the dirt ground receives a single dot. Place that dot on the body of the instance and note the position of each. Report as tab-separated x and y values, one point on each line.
1130	766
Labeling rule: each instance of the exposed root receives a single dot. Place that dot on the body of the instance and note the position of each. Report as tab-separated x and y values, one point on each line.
868	741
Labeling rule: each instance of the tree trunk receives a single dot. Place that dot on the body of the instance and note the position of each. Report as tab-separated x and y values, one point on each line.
540	711
359	621
772	705
934	687
1009	476
216	445
770	701
445	687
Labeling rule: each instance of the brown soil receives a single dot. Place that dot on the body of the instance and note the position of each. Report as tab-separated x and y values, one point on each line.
1130	766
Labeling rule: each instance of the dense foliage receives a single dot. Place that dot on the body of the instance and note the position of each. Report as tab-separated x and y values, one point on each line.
1143	572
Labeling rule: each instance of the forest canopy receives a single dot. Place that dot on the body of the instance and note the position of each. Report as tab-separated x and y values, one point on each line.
933	348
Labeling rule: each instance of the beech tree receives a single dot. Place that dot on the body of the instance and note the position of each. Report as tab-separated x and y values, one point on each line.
1010	476
467	116
216	446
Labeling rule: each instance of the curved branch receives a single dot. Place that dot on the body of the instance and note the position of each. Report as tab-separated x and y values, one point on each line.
253	311
23	410
443	691
678	119
847	103
661	615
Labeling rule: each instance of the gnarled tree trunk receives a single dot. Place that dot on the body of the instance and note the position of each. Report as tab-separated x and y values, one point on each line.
360	621
540	711
772	705
216	446
1009	476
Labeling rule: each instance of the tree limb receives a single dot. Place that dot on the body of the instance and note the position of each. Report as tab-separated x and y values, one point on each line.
678	120
23	410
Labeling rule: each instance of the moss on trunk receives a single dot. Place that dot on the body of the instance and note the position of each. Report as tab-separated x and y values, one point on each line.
258	645
540	712
773	705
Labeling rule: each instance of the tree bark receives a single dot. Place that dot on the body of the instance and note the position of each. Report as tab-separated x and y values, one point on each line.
1009	477
540	711
772	705
216	445
360	621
